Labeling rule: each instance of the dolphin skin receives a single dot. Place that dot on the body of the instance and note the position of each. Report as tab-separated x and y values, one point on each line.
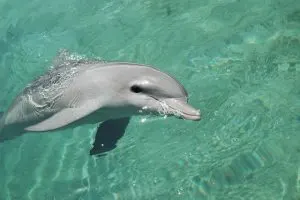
85	91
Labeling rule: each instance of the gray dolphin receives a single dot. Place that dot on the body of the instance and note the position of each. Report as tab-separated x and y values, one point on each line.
76	92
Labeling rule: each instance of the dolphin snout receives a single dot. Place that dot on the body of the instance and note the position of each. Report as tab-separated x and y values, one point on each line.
183	109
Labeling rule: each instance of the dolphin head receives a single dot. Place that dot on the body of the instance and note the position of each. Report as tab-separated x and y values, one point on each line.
147	90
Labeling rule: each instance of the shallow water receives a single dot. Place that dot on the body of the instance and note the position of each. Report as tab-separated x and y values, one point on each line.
240	62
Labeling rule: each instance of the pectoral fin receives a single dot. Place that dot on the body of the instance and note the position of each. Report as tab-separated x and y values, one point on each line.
108	134
65	117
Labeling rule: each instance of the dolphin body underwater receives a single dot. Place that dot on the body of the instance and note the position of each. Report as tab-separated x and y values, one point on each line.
84	91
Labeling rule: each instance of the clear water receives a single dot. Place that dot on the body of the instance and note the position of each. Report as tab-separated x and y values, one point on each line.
240	62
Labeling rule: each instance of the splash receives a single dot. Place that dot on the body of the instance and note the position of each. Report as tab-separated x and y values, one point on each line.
64	68
166	110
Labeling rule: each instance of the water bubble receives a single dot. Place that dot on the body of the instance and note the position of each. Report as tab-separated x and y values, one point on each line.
234	140
180	191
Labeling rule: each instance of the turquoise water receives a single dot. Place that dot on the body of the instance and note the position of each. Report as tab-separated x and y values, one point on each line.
238	59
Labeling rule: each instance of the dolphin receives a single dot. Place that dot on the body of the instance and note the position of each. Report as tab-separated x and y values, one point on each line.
74	92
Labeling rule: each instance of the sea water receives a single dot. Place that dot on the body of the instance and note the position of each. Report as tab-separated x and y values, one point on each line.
238	59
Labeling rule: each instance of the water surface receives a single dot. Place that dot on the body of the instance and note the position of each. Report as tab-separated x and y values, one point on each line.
238	59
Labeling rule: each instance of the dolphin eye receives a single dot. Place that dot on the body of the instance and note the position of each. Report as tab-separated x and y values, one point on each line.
136	89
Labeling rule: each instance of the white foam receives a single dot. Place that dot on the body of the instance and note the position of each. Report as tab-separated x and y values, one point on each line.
167	110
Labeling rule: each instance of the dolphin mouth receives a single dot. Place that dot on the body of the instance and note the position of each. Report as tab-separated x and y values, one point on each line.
180	108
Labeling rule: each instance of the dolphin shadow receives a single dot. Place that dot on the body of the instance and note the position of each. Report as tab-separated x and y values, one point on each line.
107	136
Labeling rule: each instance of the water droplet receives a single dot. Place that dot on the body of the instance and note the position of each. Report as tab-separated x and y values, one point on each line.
234	140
